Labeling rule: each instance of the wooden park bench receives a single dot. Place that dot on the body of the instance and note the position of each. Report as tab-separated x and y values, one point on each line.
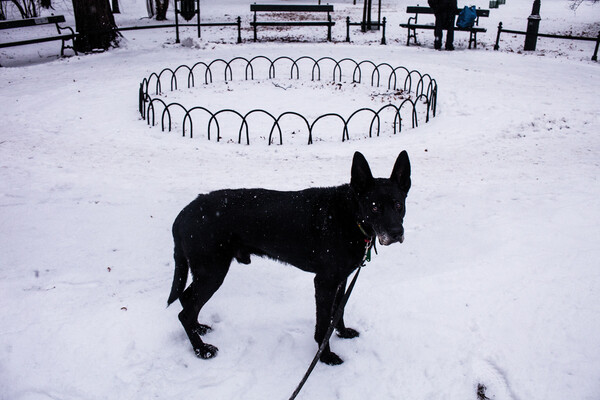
32	22
412	24
291	8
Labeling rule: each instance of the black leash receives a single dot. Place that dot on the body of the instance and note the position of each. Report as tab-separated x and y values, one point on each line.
369	243
334	321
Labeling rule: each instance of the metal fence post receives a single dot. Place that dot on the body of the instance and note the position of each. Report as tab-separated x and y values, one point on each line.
497	45
533	26
176	23
595	56
347	29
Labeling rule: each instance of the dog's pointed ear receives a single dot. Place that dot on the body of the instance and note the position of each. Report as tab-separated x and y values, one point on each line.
361	173
401	172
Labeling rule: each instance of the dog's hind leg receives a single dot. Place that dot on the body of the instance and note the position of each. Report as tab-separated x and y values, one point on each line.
203	286
342	331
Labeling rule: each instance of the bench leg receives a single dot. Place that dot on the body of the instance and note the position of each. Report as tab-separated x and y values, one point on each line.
411	35
473	39
64	46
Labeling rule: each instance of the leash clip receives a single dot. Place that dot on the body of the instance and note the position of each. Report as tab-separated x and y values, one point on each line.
369	244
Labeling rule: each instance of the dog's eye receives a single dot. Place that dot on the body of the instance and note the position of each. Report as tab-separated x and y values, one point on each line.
398	205
374	208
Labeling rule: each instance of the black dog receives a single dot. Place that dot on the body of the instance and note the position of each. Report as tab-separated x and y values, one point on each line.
319	230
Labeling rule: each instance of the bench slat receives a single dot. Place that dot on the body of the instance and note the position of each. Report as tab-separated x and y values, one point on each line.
418	10
456	28
292	23
291	8
427	10
38	40
20	23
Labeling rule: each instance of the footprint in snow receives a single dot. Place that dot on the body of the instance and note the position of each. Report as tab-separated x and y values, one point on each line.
490	381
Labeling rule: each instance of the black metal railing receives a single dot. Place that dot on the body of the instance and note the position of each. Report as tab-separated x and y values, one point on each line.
419	103
501	30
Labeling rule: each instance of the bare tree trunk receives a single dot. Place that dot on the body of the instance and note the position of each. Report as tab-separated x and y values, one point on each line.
25	9
95	24
161	9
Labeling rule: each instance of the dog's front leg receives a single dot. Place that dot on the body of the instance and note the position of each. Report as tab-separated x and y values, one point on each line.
342	331
325	294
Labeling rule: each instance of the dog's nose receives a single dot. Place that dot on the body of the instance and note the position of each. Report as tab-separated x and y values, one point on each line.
391	237
398	235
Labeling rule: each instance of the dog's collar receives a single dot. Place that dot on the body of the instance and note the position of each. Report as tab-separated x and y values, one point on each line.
369	244
362	230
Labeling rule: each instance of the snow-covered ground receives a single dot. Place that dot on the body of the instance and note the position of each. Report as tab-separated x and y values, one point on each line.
497	282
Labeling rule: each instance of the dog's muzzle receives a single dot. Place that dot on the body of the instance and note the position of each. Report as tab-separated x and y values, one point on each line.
386	239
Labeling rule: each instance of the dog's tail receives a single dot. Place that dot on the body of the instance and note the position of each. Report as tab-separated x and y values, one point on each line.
181	272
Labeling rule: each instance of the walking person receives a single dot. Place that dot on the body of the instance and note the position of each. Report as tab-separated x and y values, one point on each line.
444	11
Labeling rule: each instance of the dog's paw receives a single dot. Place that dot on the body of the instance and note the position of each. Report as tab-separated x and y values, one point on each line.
206	351
331	358
347	333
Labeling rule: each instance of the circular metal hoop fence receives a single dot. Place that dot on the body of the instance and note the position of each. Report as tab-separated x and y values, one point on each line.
416	104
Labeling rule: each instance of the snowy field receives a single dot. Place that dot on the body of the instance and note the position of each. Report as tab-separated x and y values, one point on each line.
497	282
